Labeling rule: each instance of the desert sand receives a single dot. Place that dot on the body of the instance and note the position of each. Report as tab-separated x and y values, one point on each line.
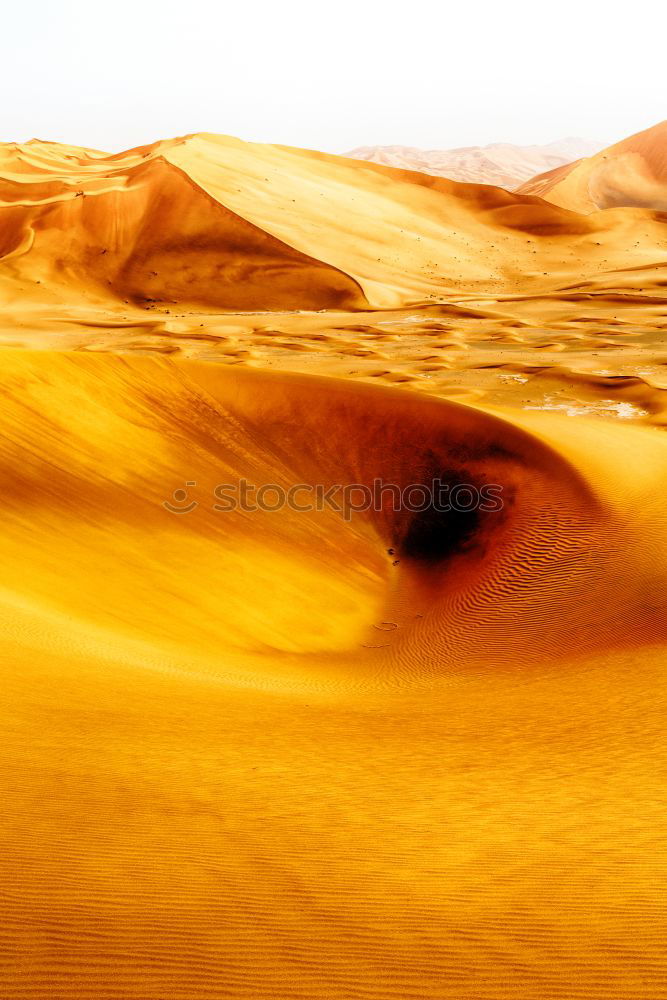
631	172
286	754
500	163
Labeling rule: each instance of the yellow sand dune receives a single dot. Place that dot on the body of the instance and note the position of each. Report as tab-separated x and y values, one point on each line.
268	752
631	172
210	221
258	754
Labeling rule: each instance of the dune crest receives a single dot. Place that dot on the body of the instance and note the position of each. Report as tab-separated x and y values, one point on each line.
632	172
212	222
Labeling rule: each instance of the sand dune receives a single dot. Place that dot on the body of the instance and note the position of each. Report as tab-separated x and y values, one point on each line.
631	172
372	779
291	754
213	222
143	230
499	163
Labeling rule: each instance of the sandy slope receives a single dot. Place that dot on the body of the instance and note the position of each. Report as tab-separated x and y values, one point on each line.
430	779
214	248
213	222
499	163
631	172
285	754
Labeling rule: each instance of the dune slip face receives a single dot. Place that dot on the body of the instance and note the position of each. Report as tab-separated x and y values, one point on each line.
632	172
266	732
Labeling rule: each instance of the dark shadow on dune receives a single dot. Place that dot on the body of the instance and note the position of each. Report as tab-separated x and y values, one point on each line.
435	534
460	516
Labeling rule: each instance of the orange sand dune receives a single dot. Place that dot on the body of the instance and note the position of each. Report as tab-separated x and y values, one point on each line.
259	755
145	231
213	222
300	754
631	172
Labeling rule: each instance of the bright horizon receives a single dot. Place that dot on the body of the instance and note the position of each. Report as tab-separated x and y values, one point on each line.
349	76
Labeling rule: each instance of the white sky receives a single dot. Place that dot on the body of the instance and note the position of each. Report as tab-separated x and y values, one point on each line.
332	76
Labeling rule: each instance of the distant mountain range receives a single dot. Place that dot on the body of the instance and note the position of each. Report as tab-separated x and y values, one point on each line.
500	163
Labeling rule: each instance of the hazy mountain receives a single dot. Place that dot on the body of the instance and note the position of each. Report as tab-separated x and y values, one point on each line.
500	163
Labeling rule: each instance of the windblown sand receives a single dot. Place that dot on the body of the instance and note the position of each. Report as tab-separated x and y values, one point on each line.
291	755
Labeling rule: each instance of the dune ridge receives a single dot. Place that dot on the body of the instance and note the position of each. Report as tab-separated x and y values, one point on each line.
632	172
270	227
